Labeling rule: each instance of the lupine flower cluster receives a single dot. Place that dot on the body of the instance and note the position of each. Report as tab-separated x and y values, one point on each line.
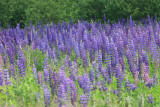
80	64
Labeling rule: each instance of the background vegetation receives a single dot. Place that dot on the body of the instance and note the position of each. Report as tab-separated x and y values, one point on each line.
22	11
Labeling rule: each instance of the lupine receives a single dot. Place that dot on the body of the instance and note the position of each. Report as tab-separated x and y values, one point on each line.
45	70
35	72
146	75
119	76
12	70
40	79
150	98
85	85
55	82
111	43
62	75
99	57
21	62
150	83
73	93
61	95
131	86
1	63
83	100
1	78
6	76
10	52
76	48
91	76
73	73
47	99
106	76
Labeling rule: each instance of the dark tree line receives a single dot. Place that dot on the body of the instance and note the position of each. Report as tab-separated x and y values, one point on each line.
23	11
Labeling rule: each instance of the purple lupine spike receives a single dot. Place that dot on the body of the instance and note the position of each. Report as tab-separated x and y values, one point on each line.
73	73
54	56
144	58
131	86
35	73
50	53
62	75
154	79
106	76
119	76
12	70
150	98
85	62
127	83
40	80
45	70
76	49
42	46
99	57
154	51
73	92
3	52
50	73
121	46
6	76
67	86
47	99
139	67
1	78
83	100
1	63
10	52
21	62
132	66
116	92
67	61
107	46
85	85
91	76
83	54
116	56
61	96
2	49
95	66
128	55
122	63
101	85
146	75
55	81
150	83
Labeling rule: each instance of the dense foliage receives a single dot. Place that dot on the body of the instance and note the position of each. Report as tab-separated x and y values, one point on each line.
83	64
22	11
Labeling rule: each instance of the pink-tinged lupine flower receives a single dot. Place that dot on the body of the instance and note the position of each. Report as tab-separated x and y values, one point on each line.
40	80
146	75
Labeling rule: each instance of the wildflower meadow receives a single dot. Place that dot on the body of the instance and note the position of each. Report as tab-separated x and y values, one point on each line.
81	65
